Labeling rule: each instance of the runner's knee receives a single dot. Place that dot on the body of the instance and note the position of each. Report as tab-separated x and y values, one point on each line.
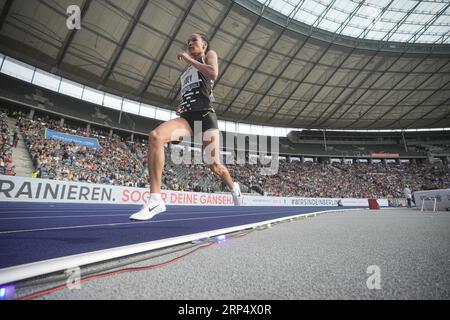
155	139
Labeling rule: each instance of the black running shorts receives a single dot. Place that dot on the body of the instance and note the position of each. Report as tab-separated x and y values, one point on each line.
208	118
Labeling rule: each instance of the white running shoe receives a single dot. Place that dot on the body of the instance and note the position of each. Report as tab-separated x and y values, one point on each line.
149	210
237	195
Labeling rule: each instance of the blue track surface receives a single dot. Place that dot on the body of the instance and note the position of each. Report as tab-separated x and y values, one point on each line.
31	232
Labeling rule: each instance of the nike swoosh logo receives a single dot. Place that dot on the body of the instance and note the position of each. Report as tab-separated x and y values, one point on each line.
153	208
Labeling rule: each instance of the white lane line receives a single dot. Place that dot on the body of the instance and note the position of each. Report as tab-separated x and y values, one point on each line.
127	223
65	217
100	215
58	211
30	212
97	215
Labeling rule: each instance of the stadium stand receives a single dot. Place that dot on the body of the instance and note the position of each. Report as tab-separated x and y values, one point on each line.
71	107
123	135
306	142
121	161
8	140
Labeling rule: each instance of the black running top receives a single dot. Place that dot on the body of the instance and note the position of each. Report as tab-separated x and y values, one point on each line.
196	90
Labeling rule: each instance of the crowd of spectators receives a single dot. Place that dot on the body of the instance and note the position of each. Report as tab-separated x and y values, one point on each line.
308	179
339	180
121	162
8	141
112	163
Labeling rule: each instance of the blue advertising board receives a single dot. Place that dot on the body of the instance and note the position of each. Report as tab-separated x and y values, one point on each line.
63	137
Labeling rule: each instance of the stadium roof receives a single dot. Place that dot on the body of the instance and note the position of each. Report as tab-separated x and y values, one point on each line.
303	64
384	20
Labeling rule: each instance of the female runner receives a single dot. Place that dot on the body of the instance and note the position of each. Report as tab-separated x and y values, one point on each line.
196	106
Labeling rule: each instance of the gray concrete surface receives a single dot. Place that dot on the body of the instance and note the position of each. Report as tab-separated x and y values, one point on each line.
324	257
20	154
